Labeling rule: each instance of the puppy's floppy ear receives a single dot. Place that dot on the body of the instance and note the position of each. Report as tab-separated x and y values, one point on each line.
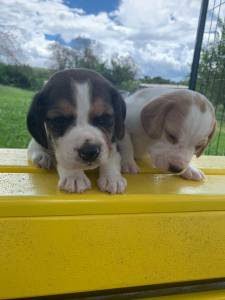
35	120
153	116
201	150
119	108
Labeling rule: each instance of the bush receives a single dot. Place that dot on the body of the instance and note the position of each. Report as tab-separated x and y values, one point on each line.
23	76
130	85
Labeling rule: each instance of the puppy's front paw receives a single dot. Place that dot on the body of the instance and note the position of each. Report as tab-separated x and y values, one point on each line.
42	159
193	173
129	167
113	184
75	183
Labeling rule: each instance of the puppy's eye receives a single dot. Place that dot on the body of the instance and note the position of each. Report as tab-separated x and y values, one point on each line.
171	138
61	120
105	120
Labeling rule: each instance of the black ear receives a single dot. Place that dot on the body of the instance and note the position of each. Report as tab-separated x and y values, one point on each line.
119	107
35	120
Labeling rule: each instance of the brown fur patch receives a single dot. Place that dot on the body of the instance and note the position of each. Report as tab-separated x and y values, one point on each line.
169	108
201	150
61	107
202	105
99	107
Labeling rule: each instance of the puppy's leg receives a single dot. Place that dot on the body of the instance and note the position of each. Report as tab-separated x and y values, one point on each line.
110	179
193	173
73	181
128	163
39	156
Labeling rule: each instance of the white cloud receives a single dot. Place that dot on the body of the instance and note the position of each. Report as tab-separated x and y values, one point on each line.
159	35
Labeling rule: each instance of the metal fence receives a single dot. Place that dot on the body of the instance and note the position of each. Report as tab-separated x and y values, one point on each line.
208	68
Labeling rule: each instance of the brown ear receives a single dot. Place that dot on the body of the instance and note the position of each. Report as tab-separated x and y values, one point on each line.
153	116
201	150
35	120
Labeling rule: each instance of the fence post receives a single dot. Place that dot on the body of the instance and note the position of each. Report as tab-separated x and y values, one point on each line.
198	44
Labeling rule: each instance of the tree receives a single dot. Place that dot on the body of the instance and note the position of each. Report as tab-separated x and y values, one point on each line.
10	50
120	70
63	57
211	74
123	69
157	79
90	60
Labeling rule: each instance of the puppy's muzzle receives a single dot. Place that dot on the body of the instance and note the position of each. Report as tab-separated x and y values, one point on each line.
89	152
174	169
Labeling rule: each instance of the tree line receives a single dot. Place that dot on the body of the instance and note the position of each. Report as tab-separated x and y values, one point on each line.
121	71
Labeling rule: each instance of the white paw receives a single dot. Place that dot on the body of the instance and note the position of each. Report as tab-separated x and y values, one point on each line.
129	167
112	184
42	160
193	173
75	183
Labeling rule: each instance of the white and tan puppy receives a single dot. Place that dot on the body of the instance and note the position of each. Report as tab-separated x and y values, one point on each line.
171	125
75	121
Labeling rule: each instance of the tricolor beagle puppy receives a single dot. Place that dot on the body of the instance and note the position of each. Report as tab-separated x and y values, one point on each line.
75	121
169	125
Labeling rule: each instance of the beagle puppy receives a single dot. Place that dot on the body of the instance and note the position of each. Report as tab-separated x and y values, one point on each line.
171	126
75	121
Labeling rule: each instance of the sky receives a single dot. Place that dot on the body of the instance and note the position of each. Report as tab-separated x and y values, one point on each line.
94	6
158	34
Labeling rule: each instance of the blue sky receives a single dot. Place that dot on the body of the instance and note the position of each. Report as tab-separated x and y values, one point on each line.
93	6
158	35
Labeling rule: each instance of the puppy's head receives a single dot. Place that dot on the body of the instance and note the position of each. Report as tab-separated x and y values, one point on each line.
179	125
80	114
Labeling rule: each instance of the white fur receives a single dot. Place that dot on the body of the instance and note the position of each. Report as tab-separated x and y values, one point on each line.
110	179
67	146
39	155
195	128
193	173
73	180
127	155
82	93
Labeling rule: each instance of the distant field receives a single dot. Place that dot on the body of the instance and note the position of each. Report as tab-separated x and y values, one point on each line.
14	104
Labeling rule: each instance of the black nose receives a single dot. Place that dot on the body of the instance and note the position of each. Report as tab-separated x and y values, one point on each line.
89	152
174	169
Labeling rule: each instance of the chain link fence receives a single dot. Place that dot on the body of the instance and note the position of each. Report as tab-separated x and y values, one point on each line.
208	68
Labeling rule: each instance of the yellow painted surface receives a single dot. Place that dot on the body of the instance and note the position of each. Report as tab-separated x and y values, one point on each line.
15	160
27	194
53	255
163	230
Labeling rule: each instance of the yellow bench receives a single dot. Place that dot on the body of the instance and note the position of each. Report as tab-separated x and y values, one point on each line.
163	231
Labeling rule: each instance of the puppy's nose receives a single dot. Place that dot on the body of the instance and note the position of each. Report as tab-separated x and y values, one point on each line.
174	169
89	152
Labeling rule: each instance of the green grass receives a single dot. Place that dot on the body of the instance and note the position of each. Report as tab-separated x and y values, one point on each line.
217	145
14	104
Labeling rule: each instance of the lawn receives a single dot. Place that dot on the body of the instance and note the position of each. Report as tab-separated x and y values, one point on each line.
217	145
14	104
